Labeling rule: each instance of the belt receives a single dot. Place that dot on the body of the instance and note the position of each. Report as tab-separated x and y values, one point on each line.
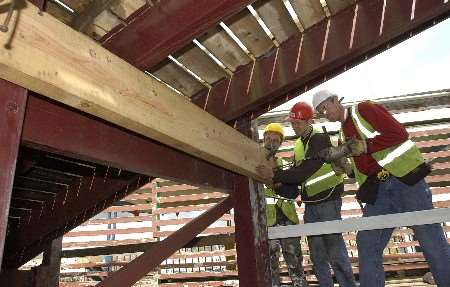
383	175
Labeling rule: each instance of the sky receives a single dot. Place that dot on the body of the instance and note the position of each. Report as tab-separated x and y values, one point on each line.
421	63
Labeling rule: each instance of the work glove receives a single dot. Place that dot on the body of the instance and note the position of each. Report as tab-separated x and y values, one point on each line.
357	146
271	149
352	147
342	166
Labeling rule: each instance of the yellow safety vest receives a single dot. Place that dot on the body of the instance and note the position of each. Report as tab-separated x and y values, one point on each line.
323	179
398	160
286	205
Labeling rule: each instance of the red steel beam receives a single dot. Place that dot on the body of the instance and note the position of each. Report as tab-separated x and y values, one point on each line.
59	129
153	32
303	62
12	109
156	254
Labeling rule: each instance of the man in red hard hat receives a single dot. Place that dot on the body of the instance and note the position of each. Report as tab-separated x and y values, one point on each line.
321	189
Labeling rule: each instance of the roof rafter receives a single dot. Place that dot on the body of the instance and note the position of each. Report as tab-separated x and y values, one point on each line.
322	52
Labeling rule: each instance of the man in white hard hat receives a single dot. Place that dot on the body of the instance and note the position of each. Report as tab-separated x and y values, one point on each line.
390	172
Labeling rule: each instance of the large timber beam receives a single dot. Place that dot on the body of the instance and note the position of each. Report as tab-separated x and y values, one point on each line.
54	128
12	109
71	68
154	32
320	53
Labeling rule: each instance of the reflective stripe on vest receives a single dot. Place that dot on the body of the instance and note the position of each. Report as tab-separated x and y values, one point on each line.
319	178
271	200
323	179
398	160
286	205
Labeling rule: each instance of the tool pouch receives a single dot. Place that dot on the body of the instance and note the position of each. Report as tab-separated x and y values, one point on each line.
416	174
368	191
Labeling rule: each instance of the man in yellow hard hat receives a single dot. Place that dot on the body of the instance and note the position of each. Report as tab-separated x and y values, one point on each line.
280	210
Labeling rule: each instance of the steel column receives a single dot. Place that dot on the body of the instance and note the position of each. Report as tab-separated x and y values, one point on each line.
12	109
59	129
251	229
139	267
354	35
154	32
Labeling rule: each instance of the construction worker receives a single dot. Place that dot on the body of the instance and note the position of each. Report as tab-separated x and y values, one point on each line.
390	171
280	210
321	190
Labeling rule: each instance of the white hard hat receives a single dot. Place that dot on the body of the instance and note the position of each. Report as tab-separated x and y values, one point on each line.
320	96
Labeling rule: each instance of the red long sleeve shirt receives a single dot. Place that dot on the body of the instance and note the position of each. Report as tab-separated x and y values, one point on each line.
391	133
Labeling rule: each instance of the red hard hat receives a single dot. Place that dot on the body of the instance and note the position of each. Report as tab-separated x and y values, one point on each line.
300	111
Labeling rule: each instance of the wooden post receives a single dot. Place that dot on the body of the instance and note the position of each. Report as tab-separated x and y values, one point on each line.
52	263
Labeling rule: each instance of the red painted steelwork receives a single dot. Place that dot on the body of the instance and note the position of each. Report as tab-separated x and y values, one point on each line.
251	231
55	128
157	253
12	109
154	32
65	212
300	64
251	235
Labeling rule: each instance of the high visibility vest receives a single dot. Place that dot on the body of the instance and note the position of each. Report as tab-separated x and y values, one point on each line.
323	179
286	205
398	160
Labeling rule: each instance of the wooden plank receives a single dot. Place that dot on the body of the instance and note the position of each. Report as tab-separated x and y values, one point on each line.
338	5
124	8
309	12
277	18
83	20
222	46
200	63
59	13
250	33
116	248
178	78
102	24
74	70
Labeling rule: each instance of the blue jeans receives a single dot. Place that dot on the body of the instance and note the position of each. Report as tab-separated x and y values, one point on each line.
329	249
395	197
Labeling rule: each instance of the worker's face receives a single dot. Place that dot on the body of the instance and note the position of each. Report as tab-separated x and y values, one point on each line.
300	126
329	109
272	141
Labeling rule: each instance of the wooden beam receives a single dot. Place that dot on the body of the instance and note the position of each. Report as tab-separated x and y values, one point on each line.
70	68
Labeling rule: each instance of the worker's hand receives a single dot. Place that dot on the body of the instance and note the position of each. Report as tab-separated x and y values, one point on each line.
357	146
264	171
342	166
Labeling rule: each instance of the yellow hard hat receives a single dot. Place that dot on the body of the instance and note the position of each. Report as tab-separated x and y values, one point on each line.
276	128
